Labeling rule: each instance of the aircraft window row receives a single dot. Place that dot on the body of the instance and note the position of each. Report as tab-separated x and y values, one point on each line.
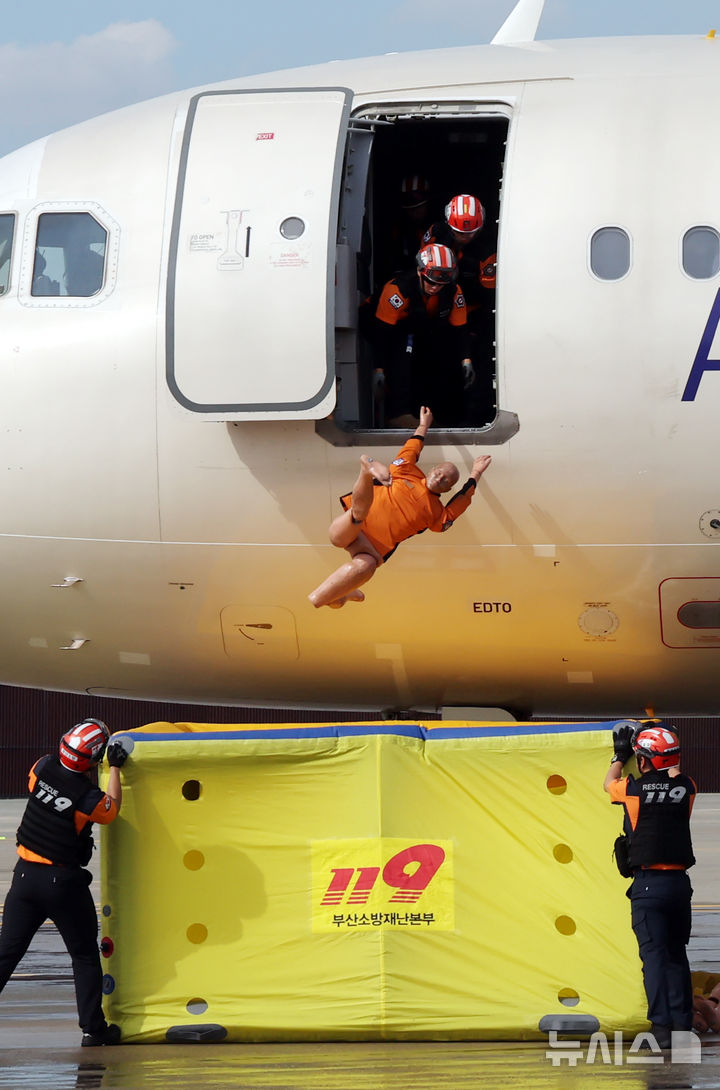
7	231
701	253
611	253
69	255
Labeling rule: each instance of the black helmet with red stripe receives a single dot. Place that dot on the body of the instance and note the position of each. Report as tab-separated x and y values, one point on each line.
83	746
660	745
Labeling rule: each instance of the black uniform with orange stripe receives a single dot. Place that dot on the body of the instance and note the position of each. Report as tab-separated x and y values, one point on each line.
48	829
477	277
420	341
476	268
657	820
49	881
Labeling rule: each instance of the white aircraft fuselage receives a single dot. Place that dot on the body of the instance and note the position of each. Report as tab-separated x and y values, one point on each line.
175	440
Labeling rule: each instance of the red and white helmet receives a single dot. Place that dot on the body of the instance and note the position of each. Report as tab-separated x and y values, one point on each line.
660	745
83	746
465	214
437	264
414	191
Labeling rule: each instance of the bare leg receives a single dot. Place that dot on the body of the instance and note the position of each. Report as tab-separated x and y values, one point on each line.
362	493
341	585
346	528
346	533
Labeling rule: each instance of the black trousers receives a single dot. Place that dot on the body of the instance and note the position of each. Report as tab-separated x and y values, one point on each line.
61	894
661	920
423	368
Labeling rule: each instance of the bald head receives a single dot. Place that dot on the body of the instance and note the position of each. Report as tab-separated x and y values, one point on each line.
442	477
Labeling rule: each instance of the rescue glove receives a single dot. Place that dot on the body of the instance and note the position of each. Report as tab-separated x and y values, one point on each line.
622	741
468	374
116	755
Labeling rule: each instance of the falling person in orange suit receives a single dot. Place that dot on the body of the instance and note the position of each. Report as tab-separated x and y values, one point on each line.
387	506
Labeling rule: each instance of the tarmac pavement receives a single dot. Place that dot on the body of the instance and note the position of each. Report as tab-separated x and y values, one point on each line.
39	1035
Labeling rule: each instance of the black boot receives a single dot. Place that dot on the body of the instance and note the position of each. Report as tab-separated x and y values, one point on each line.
108	1036
663	1035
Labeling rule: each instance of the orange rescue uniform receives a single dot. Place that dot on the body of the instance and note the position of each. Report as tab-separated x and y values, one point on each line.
475	271
407	506
395	304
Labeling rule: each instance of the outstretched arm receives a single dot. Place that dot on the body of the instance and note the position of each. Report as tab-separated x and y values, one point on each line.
114	788
414	445
462	499
479	466
426	419
614	773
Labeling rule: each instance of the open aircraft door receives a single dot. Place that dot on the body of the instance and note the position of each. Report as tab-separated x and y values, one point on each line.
251	274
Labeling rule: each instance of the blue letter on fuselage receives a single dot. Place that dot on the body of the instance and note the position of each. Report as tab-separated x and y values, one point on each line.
702	360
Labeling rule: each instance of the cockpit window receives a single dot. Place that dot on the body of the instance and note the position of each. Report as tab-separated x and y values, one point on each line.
701	253
7	231
610	253
69	255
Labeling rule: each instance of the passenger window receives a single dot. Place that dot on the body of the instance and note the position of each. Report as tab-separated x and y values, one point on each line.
701	252
7	231
69	255
610	253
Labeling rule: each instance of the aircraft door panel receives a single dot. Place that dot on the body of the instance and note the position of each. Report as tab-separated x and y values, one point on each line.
250	305
7	235
258	634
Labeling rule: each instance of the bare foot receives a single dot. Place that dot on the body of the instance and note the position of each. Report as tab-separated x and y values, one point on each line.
353	596
377	470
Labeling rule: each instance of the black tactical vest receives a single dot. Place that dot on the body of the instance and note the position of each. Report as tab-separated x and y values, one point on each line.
48	824
662	833
409	286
